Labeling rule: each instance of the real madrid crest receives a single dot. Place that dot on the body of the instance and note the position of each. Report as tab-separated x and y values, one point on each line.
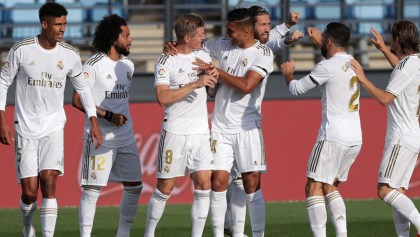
60	65
244	62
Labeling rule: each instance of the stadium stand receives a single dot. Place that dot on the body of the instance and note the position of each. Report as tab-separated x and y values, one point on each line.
148	20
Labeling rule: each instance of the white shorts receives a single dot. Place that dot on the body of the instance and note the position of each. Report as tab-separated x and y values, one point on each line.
178	152
34	155
109	164
397	166
245	149
331	160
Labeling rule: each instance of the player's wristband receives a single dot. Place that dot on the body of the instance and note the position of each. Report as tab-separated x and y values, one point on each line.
108	115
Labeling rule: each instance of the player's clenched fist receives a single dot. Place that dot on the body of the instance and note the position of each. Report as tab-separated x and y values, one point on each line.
288	68
118	119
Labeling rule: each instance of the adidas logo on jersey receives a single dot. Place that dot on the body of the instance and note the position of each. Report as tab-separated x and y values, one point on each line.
181	71
109	76
32	63
224	58
340	217
255	163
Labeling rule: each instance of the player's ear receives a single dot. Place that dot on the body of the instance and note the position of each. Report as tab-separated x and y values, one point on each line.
187	38
44	24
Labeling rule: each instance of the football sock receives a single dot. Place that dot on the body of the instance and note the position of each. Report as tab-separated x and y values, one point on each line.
199	211
48	214
315	206
27	212
337	208
402	225
228	214
404	206
257	213
87	209
218	207
128	209
155	210
238	208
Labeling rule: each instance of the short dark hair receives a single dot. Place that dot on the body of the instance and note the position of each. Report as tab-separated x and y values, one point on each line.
339	33
255	11
51	9
241	16
408	36
107	32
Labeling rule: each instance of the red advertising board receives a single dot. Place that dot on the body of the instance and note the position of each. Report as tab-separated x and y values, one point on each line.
290	128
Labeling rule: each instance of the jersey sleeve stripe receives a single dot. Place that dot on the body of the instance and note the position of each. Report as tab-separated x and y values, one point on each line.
67	46
162	59
313	80
95	59
23	42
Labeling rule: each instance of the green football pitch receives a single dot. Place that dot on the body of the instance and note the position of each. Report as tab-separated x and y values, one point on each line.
366	218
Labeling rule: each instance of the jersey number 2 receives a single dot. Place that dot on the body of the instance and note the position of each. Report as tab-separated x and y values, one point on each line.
354	82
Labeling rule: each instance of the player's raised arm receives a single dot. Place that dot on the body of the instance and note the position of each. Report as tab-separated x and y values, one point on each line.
379	43
315	35
296	87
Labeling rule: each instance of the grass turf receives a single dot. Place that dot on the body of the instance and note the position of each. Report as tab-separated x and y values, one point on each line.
366	218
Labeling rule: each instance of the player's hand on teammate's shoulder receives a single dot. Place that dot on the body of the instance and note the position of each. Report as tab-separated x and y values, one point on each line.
293	19
315	35
5	133
169	48
358	69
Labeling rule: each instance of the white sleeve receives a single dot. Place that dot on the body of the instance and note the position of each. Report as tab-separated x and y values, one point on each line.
80	84
276	38
318	76
162	75
8	73
298	87
398	82
263	63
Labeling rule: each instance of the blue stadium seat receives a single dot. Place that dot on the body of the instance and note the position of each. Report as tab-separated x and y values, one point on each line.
100	9
75	18
326	11
373	12
25	16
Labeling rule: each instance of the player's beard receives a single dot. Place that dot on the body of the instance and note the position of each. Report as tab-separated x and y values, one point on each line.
121	49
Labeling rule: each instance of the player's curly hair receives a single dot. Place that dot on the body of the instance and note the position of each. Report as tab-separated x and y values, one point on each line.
51	9
242	17
339	33
408	36
107	32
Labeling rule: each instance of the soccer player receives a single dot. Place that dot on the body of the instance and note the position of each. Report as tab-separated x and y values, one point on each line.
109	74
402	142
245	64
185	135
41	65
340	137
277	40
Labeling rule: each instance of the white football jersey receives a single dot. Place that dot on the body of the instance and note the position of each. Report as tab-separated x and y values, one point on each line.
110	82
189	115
403	113
234	111
40	80
340	90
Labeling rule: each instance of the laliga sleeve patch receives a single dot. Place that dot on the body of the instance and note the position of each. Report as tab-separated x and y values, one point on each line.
87	76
